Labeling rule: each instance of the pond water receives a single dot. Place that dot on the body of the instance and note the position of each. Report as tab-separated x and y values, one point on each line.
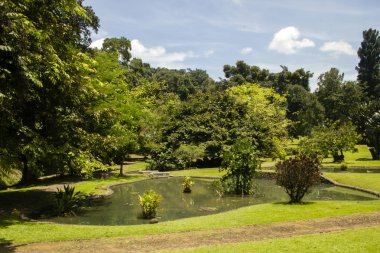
123	207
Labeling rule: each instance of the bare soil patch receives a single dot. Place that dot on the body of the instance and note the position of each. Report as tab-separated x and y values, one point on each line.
151	243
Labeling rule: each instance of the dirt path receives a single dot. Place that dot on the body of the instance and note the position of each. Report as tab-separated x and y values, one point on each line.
151	243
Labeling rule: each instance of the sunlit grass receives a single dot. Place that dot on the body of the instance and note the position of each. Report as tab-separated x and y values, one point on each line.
354	240
369	181
25	232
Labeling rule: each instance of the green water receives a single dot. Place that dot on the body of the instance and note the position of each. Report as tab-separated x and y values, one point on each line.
123	207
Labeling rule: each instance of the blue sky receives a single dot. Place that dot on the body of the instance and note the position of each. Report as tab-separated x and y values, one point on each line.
207	34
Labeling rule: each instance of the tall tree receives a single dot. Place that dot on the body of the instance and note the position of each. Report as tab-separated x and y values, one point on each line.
44	89
304	111
340	99
369	64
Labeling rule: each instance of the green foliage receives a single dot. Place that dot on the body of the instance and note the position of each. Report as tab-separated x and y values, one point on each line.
330	139
120	45
372	134
297	176
243	73
369	64
340	99
304	111
66	200
187	184
241	163
149	203
198	130
45	87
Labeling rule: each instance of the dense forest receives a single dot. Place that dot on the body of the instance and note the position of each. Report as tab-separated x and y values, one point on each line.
66	108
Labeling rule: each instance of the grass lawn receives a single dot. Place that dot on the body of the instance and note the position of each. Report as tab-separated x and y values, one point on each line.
369	181
206	172
132	166
18	232
355	240
362	158
96	186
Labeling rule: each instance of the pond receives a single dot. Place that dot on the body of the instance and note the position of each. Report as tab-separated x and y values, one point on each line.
122	208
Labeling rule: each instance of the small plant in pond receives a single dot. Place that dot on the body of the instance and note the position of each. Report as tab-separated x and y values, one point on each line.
66	200
343	167
149	203
298	175
187	184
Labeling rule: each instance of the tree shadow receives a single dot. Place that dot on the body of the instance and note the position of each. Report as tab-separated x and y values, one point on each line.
25	202
6	246
55	179
364	159
295	204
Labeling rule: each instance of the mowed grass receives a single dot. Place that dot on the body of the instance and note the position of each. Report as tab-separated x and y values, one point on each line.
362	158
370	181
205	172
128	167
97	186
17	232
355	240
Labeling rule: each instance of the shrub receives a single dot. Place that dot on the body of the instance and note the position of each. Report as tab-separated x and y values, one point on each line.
297	176
66	200
343	167
149	203
241	163
187	183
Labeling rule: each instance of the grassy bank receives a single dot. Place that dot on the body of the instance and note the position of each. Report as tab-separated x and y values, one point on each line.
370	181
17	232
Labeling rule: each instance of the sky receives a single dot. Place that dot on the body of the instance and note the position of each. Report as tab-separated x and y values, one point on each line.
207	34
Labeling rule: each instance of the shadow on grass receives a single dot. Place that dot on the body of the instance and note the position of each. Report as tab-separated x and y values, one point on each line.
49	181
364	159
6	246
25	202
295	204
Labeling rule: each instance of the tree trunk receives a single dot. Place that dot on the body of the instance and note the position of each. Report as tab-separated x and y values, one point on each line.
375	153
25	170
337	157
121	169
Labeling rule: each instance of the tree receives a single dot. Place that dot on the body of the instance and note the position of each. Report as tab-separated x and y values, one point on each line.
332	138
241	163
45	92
304	111
372	135
120	45
208	123
297	176
369	64
341	100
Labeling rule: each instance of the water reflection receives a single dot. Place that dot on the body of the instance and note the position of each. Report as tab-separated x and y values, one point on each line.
123	207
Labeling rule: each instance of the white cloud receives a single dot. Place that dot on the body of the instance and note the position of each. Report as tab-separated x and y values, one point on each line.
338	47
287	41
246	50
158	55
97	43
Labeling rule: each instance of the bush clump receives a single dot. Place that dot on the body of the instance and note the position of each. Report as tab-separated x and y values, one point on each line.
149	203
241	163
298	175
66	200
